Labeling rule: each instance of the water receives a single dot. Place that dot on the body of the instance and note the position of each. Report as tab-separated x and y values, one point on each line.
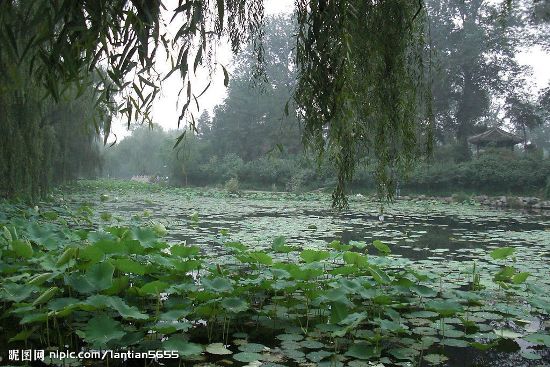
443	238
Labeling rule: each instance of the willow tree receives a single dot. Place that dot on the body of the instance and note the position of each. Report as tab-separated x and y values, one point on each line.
360	64
43	141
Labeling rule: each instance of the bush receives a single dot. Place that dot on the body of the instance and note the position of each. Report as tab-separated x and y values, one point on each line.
496	171
514	202
296	182
267	171
460	197
232	186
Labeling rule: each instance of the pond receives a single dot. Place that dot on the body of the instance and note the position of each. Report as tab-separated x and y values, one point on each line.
446	239
275	279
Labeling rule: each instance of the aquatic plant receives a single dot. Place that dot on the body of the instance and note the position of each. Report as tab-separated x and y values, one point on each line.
125	286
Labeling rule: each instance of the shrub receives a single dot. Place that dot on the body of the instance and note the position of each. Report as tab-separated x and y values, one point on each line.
232	186
267	171
494	172
460	197
296	182
514	202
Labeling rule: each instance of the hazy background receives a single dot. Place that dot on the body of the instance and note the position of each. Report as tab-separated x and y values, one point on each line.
166	111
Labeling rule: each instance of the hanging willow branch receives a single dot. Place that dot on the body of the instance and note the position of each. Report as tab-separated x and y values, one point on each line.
360	65
361	86
124	37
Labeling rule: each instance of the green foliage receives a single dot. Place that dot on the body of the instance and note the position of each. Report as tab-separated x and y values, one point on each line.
365	58
461	197
476	65
496	171
137	290
502	253
91	285
124	37
44	141
360	85
253	113
232	186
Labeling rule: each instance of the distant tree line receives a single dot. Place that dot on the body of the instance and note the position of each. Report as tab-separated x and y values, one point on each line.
342	78
347	102
248	137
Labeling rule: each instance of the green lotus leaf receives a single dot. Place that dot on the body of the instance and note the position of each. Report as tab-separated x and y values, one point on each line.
381	247
154	288
407	354
100	275
423	291
146	236
339	246
507	334
235	245
127	265
290	337
22	248
444	308
455	343
252	347
539	339
16	292
363	351
520	277
310	256
184	251
217	285
247	357
46	296
312	344
182	346
100	330
305	273
502	253
318	355
435	359
530	355
379	275
234	304
66	256
217	349
356	259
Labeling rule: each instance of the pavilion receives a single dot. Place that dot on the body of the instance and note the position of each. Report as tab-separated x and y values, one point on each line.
494	137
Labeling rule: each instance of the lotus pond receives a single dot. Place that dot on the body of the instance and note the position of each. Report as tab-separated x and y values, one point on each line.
272	279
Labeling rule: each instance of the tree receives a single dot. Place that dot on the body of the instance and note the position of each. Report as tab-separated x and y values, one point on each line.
126	158
204	124
257	111
478	80
475	42
359	63
523	114
44	141
361	73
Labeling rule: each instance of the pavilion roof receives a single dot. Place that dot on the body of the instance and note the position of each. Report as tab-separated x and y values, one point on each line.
496	135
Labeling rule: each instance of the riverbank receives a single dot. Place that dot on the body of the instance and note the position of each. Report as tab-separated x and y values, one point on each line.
512	202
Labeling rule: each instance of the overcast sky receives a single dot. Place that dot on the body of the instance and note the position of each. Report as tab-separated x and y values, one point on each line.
166	110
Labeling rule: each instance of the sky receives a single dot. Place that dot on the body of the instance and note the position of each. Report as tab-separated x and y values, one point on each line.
166	111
